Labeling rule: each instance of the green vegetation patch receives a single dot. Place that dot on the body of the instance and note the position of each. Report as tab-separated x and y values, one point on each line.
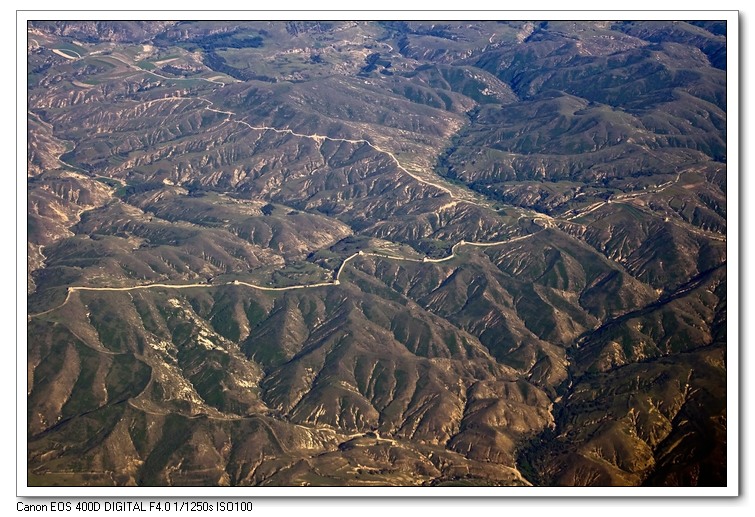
69	46
145	65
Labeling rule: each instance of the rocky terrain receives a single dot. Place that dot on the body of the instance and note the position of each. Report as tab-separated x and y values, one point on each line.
389	253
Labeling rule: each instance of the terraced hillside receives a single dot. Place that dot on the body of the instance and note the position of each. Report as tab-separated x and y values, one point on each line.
377	253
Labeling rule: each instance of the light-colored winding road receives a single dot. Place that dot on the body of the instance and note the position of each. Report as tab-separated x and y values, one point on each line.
626	199
322	138
336	281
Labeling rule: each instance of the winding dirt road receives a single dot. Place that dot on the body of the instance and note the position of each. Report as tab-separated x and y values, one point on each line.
336	281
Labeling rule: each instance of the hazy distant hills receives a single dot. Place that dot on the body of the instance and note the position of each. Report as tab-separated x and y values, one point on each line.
585	345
